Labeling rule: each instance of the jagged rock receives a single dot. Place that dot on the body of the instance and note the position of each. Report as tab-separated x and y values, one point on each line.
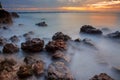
115	35
90	30
38	67
25	71
14	38
53	46
60	56
61	36
15	15
10	48
34	45
5	17
2	41
58	71
102	76
42	24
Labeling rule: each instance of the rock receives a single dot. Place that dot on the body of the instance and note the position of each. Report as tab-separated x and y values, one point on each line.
102	76
14	38
88	42
10	48
5	17
25	71
115	35
38	67
43	24
90	30
34	45
58	71
29	60
77	40
14	15
53	46
3	41
61	36
60	56
28	35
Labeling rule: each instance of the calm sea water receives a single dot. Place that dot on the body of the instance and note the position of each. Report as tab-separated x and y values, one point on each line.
86	61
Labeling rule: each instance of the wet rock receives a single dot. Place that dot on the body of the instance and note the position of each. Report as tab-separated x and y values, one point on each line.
115	35
102	76
10	48
43	24
25	71
77	40
2	41
90	30
28	35
14	15
58	71
60	56
14	38
34	45
61	36
88	42
53	46
29	60
38	67
5	17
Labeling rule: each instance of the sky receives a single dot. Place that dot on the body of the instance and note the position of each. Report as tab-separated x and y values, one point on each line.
62	5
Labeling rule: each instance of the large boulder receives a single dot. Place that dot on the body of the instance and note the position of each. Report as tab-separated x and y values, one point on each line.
10	48
53	46
58	71
115	35
34	45
102	76
61	36
5	17
43	24
88	29
14	15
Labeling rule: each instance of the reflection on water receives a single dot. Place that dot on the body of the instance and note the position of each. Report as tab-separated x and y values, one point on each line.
86	61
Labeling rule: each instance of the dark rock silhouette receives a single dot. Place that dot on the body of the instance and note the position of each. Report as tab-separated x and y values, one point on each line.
88	29
14	15
0	5
61	36
115	35
43	24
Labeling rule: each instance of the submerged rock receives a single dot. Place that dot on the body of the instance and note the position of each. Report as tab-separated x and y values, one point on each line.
15	15
10	48
34	45
61	36
88	42
25	71
42	24
77	40
102	76
115	35
28	35
3	41
53	46
14	38
58	71
29	60
5	17
90	30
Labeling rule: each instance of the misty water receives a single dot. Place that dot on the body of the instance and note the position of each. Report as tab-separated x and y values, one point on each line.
86	61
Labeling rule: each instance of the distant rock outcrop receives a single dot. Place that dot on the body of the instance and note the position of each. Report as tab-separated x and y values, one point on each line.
14	15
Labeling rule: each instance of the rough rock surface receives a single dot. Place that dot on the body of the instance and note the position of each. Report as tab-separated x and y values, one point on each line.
61	36
58	71
34	45
53	46
10	48
90	30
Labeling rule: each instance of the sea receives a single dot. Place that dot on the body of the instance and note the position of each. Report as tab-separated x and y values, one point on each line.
85	60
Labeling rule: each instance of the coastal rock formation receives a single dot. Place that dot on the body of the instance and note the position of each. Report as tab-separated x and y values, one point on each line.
61	36
25	71
115	35
43	24
14	15
14	38
5	17
102	76
58	71
34	45
90	30
10	48
53	46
